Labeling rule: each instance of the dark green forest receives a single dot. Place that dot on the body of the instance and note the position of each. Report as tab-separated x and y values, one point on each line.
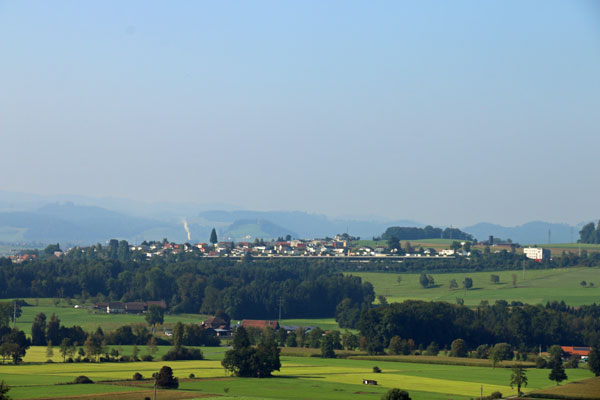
429	232
250	289
523	326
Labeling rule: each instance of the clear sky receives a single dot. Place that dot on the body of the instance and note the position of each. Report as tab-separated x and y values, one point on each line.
445	112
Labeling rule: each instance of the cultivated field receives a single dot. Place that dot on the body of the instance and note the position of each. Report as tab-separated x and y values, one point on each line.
584	389
299	378
539	286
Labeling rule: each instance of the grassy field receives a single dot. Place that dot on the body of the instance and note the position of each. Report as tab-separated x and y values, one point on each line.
299	378
539	286
88	318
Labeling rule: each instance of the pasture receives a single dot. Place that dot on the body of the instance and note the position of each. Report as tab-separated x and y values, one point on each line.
538	287
299	378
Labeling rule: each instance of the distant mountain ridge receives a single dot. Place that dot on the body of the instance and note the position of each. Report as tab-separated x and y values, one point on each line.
308	225
86	220
535	232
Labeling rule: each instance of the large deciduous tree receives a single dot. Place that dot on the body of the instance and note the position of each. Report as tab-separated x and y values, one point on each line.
155	316
246	361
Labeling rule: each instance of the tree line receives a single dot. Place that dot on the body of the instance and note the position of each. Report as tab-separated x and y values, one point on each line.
524	326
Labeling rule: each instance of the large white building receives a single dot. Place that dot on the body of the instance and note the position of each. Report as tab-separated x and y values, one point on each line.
536	253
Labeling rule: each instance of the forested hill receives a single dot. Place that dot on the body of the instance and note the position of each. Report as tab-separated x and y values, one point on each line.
243	289
429	232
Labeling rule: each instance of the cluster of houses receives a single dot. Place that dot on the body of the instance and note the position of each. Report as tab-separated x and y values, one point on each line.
221	328
336	247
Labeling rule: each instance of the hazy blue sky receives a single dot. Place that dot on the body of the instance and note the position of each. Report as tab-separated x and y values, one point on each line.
446	112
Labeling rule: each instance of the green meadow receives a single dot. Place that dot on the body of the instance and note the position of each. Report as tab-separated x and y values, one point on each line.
538	286
299	378
88	318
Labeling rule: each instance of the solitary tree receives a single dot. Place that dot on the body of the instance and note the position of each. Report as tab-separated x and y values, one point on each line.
518	378
468	283
165	379
424	280
155	315
583	284
213	236
494	279
557	374
453	284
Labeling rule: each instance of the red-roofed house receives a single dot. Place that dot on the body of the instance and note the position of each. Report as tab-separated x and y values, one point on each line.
582	351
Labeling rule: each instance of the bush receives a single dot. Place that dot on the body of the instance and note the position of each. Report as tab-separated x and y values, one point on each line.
541	363
183	353
147	357
396	394
83	379
137	376
573	363
376	369
495	395
192	376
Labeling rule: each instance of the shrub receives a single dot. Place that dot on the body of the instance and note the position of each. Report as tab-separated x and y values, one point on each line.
147	357
541	363
458	348
183	353
376	369
396	394
83	379
192	376
137	376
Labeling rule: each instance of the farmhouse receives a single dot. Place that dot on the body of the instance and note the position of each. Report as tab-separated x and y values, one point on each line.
134	307
215	323
582	351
